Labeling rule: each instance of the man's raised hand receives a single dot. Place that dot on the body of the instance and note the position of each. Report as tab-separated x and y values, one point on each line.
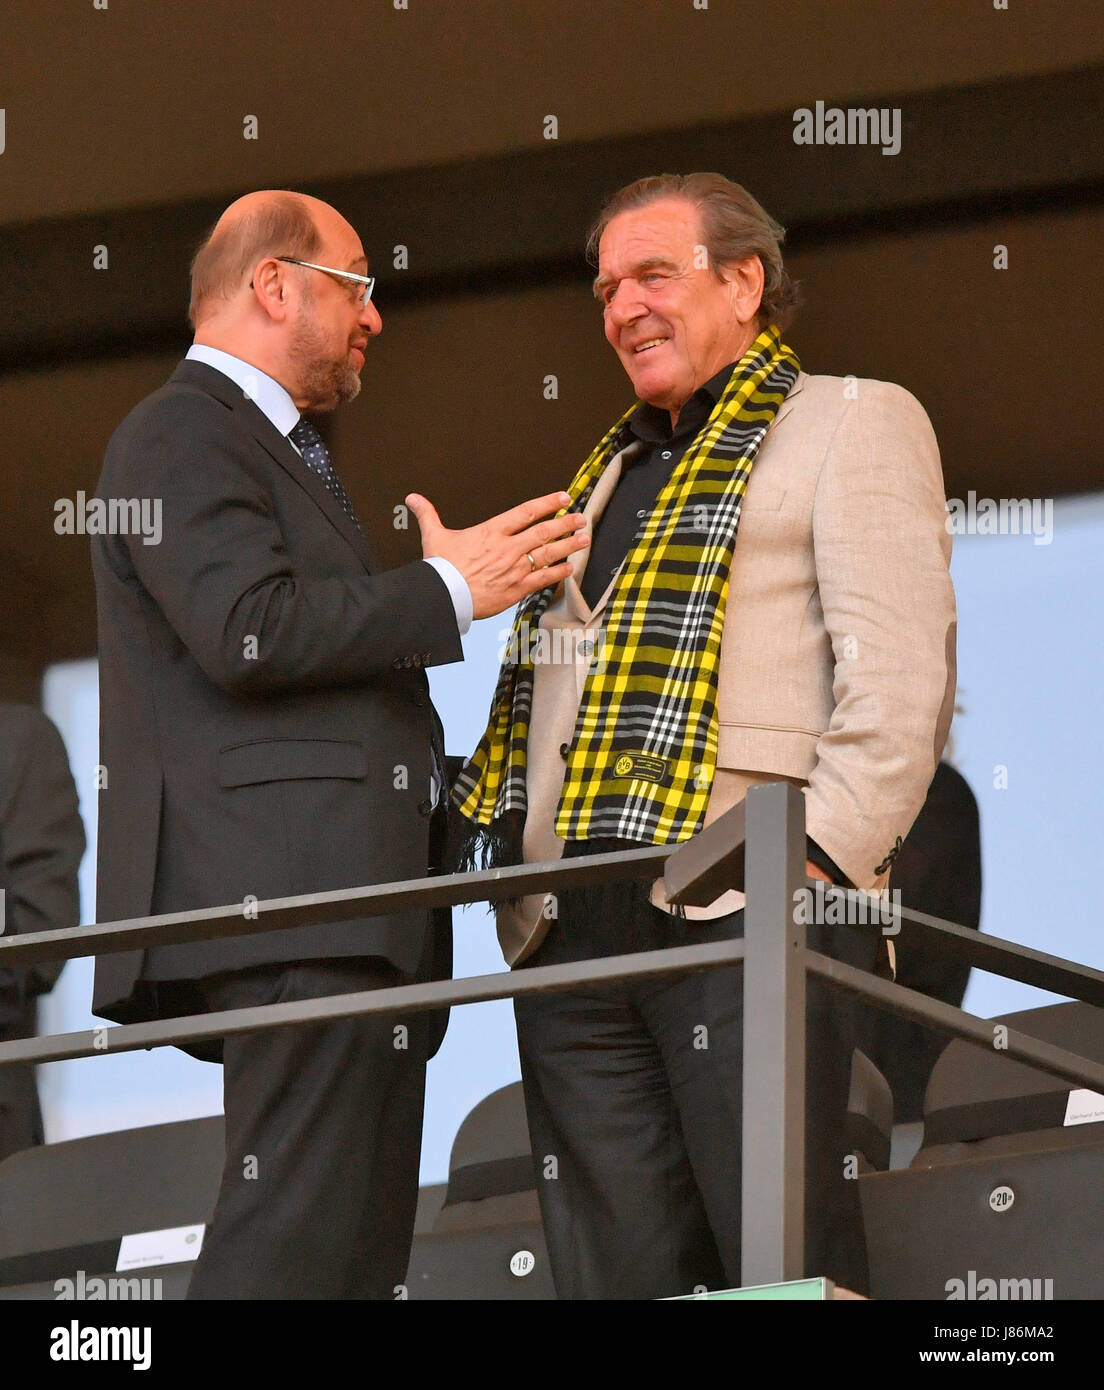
508	556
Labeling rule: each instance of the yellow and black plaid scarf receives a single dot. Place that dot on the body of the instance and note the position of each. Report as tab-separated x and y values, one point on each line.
642	759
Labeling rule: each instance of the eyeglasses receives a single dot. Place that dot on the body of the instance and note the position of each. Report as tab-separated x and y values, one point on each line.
361	297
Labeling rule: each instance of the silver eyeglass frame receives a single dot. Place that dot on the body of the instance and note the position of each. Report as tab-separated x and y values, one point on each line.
368	281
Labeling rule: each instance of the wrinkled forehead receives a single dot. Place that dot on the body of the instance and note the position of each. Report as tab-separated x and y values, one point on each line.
667	230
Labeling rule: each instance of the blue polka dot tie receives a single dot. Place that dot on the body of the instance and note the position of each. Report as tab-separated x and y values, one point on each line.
308	441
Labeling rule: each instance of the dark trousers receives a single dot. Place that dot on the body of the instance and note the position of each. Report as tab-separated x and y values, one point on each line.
20	1115
633	1093
323	1136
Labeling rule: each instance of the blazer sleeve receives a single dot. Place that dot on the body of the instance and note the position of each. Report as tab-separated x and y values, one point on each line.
882	553
43	835
222	578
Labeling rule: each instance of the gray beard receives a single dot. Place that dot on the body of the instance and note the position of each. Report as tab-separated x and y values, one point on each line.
326	383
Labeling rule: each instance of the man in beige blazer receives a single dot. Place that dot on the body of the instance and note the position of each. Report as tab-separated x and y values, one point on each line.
836	673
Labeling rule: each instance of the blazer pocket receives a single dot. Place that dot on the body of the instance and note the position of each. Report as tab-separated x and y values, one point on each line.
290	759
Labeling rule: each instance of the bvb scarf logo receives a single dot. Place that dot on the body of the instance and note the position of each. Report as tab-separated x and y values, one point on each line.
643	767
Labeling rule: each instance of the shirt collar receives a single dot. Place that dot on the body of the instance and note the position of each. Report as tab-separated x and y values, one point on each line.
653	424
266	393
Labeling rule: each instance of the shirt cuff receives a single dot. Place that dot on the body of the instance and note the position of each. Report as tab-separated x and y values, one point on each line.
814	852
458	589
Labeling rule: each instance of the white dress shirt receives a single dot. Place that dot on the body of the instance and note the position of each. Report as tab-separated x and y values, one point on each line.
273	401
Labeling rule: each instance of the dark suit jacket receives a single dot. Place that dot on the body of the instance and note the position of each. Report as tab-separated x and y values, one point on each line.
265	724
938	871
41	844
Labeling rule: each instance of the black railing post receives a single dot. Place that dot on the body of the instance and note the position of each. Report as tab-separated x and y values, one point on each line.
773	1202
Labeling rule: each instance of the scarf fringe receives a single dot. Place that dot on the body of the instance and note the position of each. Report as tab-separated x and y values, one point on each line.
473	848
484	847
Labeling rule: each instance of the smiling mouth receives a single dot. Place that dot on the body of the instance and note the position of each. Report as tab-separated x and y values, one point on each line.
649	345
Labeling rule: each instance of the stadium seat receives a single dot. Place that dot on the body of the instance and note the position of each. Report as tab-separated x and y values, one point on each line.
66	1207
1002	1188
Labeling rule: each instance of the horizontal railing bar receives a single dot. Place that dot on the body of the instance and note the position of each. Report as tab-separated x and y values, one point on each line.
437	994
921	1008
1009	959
714	859
954	942
406	999
309	909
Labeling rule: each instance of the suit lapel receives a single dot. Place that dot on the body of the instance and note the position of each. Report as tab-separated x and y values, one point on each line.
787	405
277	447
275	444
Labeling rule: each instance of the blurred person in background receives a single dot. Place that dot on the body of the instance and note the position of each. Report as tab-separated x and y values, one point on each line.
41	844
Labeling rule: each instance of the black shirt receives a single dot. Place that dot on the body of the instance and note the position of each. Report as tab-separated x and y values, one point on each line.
642	479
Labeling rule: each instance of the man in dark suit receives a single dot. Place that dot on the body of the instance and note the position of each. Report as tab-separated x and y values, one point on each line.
266	730
41	844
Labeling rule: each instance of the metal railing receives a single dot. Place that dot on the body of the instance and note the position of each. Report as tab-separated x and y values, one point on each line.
760	850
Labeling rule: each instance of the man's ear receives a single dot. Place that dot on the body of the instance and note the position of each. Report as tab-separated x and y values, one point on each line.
268	288
745	280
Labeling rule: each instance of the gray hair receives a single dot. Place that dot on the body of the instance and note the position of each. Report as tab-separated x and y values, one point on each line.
734	226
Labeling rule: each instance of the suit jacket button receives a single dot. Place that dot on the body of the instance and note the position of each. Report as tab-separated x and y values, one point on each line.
565	749
425	808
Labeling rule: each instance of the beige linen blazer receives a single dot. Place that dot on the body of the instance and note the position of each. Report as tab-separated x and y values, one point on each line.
838	652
